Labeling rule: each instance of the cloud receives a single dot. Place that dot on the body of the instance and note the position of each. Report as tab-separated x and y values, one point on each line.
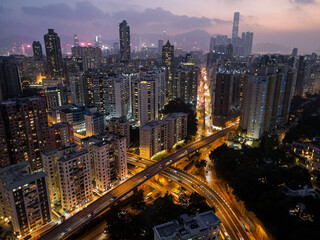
4	10
303	1
82	10
158	17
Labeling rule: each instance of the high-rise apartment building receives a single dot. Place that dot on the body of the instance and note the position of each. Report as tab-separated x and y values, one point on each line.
26	129
153	138
245	48
267	98
91	56
77	88
75	179
10	84
167	62
120	126
108	158
186	83
61	134
177	127
37	50
125	48
300	77
145	99
95	123
223	98
117	96
24	198
54	55
50	167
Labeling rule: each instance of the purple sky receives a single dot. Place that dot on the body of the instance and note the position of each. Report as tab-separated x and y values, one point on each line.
293	23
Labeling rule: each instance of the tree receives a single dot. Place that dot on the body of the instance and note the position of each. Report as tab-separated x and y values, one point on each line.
197	204
178	105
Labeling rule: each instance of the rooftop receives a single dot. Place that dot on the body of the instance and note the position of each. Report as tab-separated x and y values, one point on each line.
19	174
173	116
187	226
72	155
153	124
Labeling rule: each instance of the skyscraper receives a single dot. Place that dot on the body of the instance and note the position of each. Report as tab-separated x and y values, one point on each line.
267	98
97	41
37	50
223	98
167	62
212	44
294	52
160	45
247	40
125	49
76	40
10	85
300	77
235	27
54	56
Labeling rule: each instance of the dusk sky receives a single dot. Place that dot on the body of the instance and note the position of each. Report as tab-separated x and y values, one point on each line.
287	22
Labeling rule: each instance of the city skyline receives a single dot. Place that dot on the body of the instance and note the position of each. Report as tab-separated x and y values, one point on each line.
294	23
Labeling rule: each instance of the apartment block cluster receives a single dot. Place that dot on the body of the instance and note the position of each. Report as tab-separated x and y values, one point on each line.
157	136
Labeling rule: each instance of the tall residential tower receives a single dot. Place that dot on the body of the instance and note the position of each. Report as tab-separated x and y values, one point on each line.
125	49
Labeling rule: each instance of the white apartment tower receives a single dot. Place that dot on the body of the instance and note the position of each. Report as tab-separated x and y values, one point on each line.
50	167
75	179
145	107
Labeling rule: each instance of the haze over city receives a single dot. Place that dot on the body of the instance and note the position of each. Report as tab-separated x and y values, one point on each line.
163	120
289	23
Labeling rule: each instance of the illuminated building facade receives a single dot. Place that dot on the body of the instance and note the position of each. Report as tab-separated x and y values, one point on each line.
153	138
108	158
120	126
267	99
117	96
61	134
167	62
50	167
24	198
54	56
177	127
75	179
95	123
125	48
145	100
91	56
26	129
